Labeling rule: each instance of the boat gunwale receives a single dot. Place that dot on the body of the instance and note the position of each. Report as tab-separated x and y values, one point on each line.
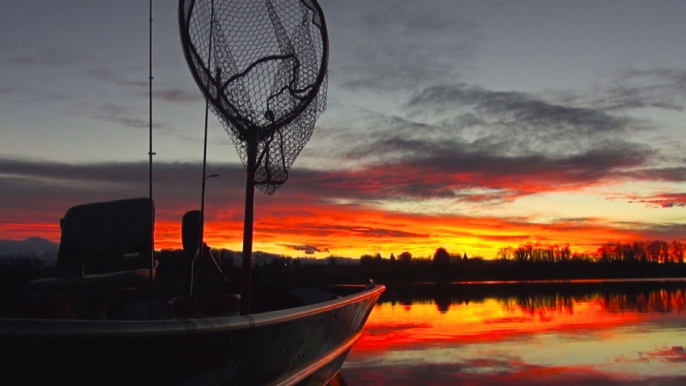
305	372
22	328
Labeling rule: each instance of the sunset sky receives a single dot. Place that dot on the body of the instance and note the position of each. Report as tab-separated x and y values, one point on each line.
469	125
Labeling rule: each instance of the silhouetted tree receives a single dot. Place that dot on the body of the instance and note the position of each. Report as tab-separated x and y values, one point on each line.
366	260
677	250
441	257
405	257
505	253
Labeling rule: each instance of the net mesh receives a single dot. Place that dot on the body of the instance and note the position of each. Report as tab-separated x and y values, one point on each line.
262	66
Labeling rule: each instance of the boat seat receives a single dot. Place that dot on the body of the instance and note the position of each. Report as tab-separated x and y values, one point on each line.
91	233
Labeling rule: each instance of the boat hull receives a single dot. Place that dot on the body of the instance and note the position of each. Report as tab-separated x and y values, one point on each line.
304	345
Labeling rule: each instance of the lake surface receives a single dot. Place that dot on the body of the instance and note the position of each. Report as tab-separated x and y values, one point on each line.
580	333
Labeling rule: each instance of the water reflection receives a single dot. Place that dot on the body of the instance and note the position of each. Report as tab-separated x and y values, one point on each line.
580	333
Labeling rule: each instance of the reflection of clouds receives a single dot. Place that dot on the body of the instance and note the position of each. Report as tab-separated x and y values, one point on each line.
473	323
665	354
606	338
580	337
673	354
488	371
508	319
385	329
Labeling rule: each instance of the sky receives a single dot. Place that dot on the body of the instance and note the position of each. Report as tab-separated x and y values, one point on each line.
468	125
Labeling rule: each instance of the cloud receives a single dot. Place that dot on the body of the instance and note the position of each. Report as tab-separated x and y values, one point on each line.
366	231
387	45
674	354
632	89
463	171
117	77
9	91
40	191
46	57
177	95
123	115
308	249
666	174
323	209
173	95
440	171
656	230
659	88
664	200
520	108
465	143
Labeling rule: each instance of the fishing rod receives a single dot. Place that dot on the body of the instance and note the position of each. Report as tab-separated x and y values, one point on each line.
150	155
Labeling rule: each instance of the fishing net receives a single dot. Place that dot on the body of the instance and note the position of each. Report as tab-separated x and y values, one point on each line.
262	66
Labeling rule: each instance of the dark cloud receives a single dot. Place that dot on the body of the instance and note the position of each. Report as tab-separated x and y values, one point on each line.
674	354
384	329
400	169
177	96
46	57
489	147
323	230
666	200
484	133
666	174
655	231
631	89
452	170
123	115
119	78
308	249
655	88
9	91
517	107
39	191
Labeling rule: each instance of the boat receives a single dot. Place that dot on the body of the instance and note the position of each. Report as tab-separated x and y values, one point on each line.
104	335
88	326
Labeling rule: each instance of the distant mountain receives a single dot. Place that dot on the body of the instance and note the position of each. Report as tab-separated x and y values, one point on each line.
34	245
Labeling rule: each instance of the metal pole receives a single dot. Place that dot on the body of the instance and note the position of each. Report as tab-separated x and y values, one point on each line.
201	247
150	155
201	252
248	227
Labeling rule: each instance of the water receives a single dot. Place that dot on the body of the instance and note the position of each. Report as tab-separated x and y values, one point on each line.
591	333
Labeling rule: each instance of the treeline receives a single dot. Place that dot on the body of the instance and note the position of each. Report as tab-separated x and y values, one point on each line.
655	251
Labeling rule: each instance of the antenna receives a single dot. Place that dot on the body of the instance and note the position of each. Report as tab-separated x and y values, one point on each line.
150	155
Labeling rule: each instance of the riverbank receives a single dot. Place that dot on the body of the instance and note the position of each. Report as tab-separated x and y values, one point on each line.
470	271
